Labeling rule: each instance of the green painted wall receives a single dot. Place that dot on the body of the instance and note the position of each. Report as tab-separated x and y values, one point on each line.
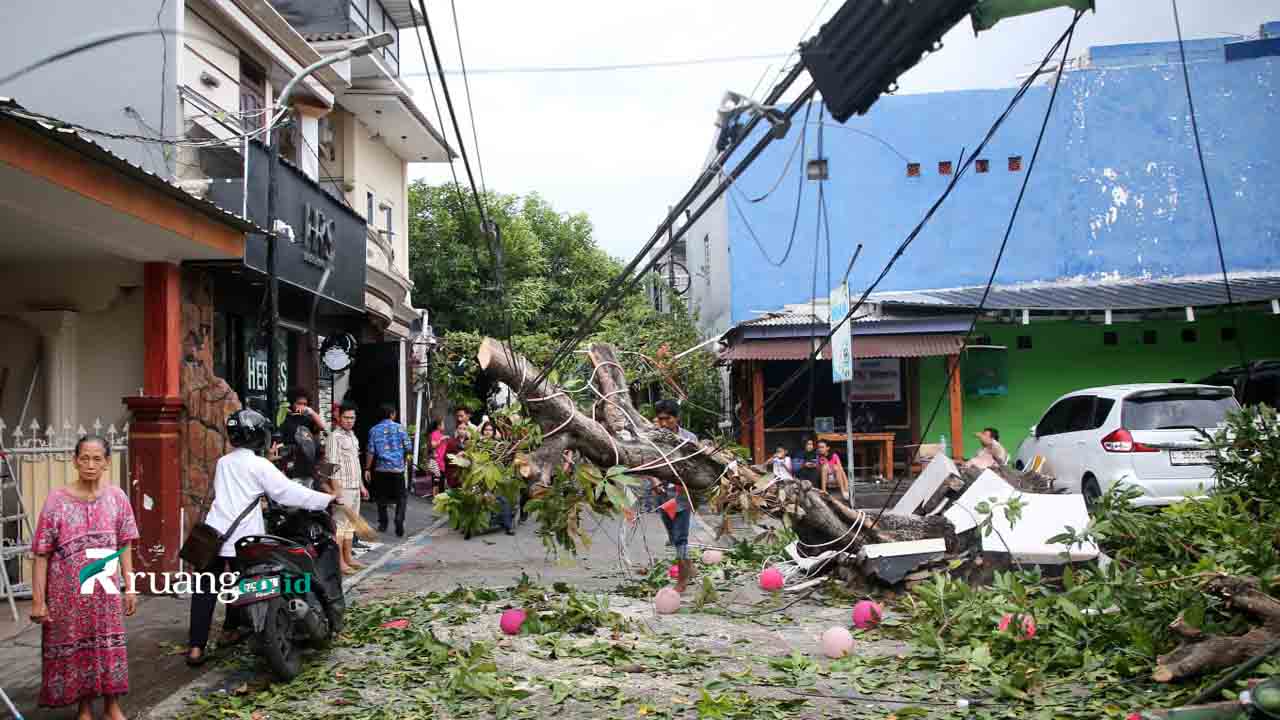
1070	355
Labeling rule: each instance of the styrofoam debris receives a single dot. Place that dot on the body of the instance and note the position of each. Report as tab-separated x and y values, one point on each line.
935	473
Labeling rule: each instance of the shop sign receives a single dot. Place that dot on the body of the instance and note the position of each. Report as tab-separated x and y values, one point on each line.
877	380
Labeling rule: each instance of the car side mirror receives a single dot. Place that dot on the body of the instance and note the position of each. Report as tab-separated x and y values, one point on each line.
1033	431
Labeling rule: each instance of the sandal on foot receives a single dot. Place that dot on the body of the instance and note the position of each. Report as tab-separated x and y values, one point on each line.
198	660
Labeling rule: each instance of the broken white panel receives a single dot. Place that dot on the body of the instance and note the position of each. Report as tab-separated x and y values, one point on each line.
935	473
1043	516
962	512
906	547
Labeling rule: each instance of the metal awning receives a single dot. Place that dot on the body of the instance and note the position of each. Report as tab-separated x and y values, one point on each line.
882	346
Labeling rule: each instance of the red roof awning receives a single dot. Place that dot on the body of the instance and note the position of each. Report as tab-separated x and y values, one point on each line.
878	346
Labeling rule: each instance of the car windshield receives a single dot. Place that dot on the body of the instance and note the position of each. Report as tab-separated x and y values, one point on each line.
1176	410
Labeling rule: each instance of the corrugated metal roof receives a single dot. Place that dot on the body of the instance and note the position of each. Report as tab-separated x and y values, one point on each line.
1128	294
879	346
73	139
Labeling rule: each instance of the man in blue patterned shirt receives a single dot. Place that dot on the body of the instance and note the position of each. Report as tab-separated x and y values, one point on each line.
389	448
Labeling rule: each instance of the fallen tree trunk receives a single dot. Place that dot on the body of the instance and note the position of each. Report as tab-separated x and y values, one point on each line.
1201	653
618	435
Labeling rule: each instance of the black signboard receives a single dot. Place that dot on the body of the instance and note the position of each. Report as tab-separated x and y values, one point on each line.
326	233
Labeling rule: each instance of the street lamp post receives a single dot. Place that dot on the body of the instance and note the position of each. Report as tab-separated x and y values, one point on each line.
364	46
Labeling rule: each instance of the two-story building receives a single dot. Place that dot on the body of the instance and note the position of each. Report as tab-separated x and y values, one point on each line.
191	104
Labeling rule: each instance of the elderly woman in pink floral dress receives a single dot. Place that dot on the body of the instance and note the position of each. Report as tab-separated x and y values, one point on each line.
83	636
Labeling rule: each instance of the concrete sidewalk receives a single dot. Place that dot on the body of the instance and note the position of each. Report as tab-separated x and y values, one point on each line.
158	635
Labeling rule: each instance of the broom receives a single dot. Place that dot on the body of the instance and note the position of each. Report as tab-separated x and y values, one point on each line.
361	527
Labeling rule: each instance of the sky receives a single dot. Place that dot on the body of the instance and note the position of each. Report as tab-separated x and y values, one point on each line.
621	146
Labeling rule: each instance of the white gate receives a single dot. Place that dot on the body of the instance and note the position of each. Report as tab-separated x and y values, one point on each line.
35	461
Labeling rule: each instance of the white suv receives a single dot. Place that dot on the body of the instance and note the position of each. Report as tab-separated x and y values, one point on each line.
1153	437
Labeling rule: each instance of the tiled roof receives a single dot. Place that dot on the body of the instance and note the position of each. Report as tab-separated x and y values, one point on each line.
77	141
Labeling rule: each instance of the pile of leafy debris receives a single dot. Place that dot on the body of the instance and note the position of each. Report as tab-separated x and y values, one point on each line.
1106	625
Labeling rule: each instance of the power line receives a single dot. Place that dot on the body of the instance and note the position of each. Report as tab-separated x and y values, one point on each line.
453	116
466	84
1004	243
648	65
1208	192
612	295
795	218
422	48
906	243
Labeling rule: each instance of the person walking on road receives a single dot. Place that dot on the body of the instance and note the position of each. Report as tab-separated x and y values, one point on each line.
83	650
240	479
347	483
668	418
389	448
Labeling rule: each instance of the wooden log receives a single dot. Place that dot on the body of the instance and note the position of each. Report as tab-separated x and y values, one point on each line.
1201	653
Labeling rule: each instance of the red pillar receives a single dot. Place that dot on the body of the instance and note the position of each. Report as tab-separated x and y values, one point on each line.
154	447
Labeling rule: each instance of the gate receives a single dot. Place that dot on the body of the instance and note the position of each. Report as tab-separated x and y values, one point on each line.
35	461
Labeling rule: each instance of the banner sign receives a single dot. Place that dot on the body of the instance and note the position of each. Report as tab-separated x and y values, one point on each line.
842	341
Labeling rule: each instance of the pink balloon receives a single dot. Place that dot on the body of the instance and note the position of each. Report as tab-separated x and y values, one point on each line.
673	572
836	642
866	614
712	557
771	580
512	620
666	601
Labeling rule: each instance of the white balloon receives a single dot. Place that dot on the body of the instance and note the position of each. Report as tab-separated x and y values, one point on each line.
836	642
667	601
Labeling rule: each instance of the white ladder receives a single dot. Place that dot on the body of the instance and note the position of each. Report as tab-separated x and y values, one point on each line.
19	545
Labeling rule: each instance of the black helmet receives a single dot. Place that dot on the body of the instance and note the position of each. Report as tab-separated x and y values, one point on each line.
248	429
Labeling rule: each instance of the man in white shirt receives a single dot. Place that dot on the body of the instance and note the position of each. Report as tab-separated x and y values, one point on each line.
240	480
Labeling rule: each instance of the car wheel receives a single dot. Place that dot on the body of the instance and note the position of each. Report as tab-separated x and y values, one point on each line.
1092	493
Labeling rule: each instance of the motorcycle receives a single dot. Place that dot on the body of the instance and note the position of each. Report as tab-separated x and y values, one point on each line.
291	586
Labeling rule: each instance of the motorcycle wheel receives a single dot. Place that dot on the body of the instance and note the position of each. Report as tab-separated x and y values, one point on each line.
277	642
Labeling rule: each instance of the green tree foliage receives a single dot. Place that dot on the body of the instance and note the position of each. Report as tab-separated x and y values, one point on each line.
554	273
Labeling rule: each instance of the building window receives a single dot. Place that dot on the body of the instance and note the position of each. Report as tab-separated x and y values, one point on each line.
386	222
1149	337
1189	335
368	213
1228	334
1024	342
913	169
944	167
1110	338
1015	163
983	165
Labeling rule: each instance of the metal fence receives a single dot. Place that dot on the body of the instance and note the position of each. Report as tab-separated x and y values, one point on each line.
36	460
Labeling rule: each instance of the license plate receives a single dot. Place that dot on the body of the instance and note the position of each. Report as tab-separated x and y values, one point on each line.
254	589
1190	457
